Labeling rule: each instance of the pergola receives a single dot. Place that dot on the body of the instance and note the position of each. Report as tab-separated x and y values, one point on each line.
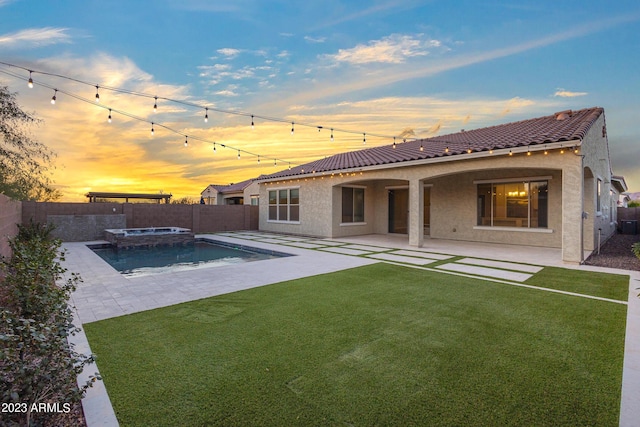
95	196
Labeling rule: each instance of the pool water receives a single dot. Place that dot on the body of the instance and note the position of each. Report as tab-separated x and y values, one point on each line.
143	261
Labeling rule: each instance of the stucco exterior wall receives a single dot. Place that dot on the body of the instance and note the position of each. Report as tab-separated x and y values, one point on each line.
595	149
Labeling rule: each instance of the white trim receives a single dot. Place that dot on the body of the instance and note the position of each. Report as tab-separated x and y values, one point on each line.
273	221
348	224
364	187
396	187
516	179
283	187
517	229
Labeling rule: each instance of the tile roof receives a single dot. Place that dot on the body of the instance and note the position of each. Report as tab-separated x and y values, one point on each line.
233	188
562	126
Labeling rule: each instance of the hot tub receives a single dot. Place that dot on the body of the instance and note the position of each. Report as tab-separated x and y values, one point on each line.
152	236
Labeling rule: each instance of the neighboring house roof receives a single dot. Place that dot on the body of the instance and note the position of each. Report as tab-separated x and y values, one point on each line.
559	127
107	195
232	188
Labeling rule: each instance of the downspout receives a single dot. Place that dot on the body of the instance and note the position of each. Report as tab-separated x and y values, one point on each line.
583	214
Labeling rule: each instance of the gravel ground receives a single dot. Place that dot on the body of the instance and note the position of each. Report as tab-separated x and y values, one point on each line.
616	253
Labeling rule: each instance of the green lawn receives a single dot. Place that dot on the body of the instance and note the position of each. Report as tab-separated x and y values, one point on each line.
375	345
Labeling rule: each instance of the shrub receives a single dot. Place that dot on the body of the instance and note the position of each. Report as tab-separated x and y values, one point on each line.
38	364
636	249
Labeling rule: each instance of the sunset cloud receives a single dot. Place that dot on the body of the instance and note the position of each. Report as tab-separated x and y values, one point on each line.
568	94
35	37
393	49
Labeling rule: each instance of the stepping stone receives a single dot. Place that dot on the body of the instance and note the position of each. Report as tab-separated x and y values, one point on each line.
304	245
405	259
366	248
501	264
327	242
345	251
422	254
484	271
277	241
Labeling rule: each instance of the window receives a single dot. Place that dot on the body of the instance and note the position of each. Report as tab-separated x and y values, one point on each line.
284	205
521	204
255	200
352	204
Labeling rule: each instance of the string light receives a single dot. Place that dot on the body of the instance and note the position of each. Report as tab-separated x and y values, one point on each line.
575	150
97	94
214	147
491	151
30	83
528	151
275	162
331	134
421	147
258	158
289	165
152	131
252	125
155	104
545	150
510	153
394	143
364	138
109	119
291	128
319	128
53	98
561	149
446	150
186	142
238	154
206	114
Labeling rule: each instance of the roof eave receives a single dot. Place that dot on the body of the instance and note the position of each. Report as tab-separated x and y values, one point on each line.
433	160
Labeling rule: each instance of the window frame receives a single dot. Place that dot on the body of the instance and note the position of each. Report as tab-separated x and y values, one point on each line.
528	181
287	207
353	206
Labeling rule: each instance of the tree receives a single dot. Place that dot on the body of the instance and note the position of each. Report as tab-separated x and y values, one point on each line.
24	162
634	204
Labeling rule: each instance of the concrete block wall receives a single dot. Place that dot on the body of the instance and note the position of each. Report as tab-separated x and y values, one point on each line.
10	217
89	216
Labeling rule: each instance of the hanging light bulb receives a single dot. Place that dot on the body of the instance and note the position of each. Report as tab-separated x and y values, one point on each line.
252	125
319	128
275	162
510	153
331	134
152	131
109	119
291	128
155	104
421	146
491	151
561	149
446	150
394	142
258	158
214	147
206	114
364	138
528	151
186	143
97	94
30	83
53	98
289	166
575	150
238	154
545	150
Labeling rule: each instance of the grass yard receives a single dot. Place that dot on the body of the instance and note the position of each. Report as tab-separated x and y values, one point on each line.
374	345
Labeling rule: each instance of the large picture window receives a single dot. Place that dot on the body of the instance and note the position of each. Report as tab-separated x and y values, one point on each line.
284	205
522	204
352	204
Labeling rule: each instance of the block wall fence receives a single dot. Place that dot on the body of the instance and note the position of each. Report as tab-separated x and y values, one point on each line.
10	217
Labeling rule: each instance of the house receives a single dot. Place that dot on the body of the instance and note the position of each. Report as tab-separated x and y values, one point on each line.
543	182
241	193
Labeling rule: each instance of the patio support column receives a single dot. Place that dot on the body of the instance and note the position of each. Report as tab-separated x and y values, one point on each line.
572	193
416	213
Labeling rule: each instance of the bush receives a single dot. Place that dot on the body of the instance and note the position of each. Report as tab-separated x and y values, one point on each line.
636	249
37	364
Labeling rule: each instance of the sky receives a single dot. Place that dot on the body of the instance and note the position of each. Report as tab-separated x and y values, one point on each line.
376	69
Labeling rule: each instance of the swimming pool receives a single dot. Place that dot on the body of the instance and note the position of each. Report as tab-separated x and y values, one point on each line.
144	261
